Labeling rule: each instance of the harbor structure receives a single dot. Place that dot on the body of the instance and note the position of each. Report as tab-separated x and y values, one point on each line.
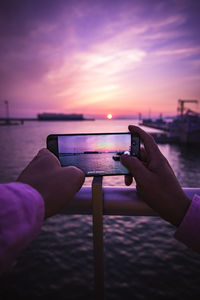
184	128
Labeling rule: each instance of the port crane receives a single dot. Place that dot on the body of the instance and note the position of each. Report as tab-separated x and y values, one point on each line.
181	103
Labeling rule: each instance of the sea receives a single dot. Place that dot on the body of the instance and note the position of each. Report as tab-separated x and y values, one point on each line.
142	260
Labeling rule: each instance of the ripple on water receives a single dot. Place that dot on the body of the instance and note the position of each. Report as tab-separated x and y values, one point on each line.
142	259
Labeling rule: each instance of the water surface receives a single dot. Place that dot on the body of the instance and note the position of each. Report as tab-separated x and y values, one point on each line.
142	259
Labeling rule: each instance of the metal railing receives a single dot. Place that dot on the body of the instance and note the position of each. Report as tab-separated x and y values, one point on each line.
121	201
99	201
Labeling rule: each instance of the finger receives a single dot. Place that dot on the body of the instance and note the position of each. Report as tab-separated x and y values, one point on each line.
128	179
150	145
74	176
47	159
136	167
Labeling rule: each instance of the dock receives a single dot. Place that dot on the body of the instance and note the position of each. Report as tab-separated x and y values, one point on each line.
155	126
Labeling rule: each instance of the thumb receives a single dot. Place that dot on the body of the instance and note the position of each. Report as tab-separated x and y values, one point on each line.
73	176
135	166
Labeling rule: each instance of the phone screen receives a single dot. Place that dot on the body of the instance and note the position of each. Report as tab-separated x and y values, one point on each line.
97	154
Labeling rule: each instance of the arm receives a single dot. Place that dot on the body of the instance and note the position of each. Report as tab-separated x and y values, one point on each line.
188	230
42	190
157	184
21	216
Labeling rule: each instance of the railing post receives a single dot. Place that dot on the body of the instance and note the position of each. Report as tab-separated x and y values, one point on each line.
97	207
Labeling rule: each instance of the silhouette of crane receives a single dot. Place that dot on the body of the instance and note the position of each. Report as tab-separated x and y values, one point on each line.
181	103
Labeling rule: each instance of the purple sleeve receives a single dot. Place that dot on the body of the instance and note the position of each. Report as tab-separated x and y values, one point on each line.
21	217
188	231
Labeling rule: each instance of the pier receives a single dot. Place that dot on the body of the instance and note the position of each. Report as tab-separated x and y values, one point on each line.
20	121
155	126
15	121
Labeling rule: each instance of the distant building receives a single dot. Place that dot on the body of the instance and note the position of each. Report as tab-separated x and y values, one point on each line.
59	117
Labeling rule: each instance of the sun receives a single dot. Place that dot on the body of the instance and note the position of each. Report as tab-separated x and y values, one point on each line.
109	116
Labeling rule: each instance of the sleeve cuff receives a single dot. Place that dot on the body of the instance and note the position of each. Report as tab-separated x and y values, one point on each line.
188	231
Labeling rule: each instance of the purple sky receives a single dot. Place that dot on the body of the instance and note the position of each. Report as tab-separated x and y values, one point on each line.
98	57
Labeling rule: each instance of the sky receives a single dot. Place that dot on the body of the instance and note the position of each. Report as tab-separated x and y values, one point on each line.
122	57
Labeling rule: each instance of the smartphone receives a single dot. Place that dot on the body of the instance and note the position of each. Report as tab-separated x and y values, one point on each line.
97	154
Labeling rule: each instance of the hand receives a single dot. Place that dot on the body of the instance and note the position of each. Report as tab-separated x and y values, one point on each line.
156	182
56	184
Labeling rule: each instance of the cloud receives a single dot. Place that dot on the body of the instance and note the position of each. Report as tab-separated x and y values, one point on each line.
179	52
79	54
96	75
